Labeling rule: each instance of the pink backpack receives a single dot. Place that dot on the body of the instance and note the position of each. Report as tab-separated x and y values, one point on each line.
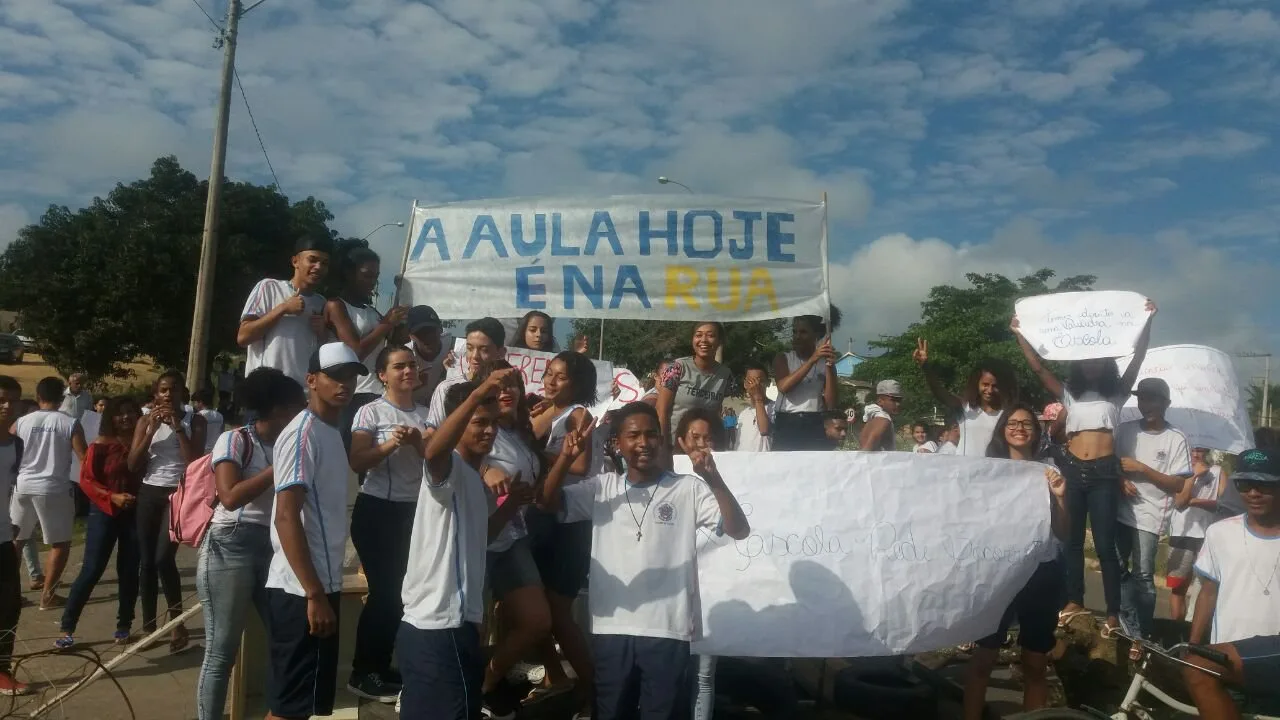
191	505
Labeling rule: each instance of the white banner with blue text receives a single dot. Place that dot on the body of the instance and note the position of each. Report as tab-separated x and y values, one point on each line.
855	554
660	257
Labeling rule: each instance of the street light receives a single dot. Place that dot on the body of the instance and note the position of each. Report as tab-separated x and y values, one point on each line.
394	224
664	180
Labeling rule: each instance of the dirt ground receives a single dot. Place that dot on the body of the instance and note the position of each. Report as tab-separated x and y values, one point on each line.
34	369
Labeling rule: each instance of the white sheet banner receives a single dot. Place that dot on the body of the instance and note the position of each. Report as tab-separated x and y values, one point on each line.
1082	325
660	257
1206	402
867	554
532	365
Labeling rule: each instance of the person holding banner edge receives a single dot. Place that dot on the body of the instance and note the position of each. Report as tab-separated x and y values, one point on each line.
1016	436
1092	396
806	378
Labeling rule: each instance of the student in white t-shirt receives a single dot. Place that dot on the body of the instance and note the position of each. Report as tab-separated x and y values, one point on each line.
308	541
214	422
1155	459
164	443
990	387
43	491
235	555
806	378
950	438
1238	609
283	320
431	348
10	578
386	446
755	422
1195	509
438	644
354	320
920	436
485	338
644	525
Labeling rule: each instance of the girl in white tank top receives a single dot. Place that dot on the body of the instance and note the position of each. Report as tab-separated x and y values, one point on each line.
806	378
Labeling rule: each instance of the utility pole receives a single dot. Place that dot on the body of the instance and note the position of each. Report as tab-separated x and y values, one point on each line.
1264	412
209	242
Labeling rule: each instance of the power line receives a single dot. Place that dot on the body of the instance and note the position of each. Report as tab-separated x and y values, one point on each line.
212	22
253	122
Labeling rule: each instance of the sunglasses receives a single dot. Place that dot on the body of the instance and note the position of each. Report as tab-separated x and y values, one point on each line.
1244	485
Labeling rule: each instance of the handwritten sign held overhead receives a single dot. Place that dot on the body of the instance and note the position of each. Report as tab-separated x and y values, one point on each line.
1206	402
659	257
1082	325
868	554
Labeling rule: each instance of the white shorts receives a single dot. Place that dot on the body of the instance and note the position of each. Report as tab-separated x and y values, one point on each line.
55	513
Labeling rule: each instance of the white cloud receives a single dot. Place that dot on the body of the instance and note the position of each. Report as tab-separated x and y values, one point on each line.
1221	26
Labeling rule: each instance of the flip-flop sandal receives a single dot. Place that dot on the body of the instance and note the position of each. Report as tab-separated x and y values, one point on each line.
1135	653
1065	618
542	693
1109	631
179	641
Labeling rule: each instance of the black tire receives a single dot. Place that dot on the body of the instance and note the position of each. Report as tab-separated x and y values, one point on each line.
884	694
1058	714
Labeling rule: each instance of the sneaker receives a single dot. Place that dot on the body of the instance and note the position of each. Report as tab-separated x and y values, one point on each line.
66	642
498	705
371	686
10	687
397	703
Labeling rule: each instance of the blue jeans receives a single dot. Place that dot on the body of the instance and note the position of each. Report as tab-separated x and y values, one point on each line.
231	575
1093	497
31	557
704	688
1137	551
104	534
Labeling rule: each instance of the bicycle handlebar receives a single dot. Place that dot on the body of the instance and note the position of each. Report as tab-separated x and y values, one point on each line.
1173	654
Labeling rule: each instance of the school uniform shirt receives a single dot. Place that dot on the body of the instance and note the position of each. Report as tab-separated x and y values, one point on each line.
309	454
214	423
444	585
1165	451
399	474
512	455
234	446
976	428
1191	522
1245	567
365	319
8	476
947	448
749	437
287	345
46	452
436	413
667	514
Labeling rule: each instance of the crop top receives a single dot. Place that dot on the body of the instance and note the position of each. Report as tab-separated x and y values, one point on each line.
1091	411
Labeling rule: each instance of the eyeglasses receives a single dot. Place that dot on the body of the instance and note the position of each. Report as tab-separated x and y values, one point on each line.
1022	424
1244	485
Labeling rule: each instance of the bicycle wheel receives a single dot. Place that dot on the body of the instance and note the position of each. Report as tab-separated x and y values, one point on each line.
1059	714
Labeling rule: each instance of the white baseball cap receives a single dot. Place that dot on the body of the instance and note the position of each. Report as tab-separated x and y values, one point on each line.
892	388
332	358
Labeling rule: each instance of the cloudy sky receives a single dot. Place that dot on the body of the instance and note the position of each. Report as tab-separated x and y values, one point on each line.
1130	139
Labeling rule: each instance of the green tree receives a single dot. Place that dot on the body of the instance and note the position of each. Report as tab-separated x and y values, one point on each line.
963	325
641	344
102	286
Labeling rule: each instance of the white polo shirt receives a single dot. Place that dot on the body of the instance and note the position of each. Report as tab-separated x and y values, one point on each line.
436	413
1165	451
1244	566
310	455
399	474
645	586
444	584
287	345
46	452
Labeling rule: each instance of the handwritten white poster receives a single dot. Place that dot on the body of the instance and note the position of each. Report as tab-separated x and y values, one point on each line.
868	554
1206	402
1082	325
532	365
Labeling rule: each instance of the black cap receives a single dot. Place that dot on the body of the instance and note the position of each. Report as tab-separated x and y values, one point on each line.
313	242
1259	466
422	316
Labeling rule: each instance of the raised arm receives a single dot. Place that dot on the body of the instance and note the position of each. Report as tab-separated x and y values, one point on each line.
366	452
940	392
192	445
734	521
340	321
1047	378
1139	353
579	419
755	394
438	451
142	435
549	497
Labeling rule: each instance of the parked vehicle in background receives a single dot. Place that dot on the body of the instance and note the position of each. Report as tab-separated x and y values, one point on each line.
27	342
11	349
